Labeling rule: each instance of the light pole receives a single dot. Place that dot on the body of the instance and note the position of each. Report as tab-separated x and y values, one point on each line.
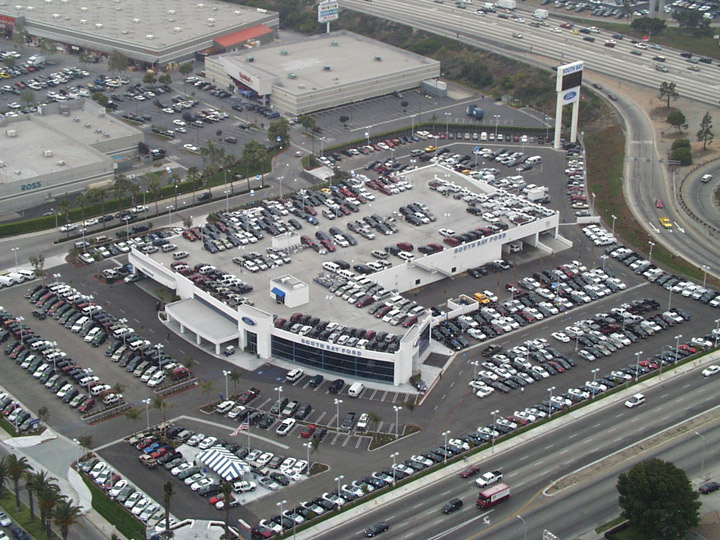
337	408
613	223
280	504
637	364
705	268
123	321
337	479
497	120
604	258
77	452
279	391
717	330
475	365
169	209
551	401
702	463
57	278
445	434
21	319
524	523
396	408
412	131
492	444
227	391
652	245
669	298
227	200
447	123
15	252
54	344
677	344
393	456
594	372
308	446
147	413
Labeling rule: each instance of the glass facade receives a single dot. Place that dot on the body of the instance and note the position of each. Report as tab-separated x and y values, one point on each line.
251	342
424	342
342	364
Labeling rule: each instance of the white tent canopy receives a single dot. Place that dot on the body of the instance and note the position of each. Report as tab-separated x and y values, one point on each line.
224	463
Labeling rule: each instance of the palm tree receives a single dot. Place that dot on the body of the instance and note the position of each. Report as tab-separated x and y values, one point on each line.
64	206
167	496
82	201
160	404
85	442
4	475
207	387
17	467
235	377
34	481
226	490
118	388
48	497
374	419
192	175
155	190
66	515
133	414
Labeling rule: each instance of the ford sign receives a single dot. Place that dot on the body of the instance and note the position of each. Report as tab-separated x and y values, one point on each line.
248	321
570	95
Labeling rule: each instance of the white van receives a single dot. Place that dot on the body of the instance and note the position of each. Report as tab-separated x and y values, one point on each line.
356	389
180	255
533	160
483	136
167	248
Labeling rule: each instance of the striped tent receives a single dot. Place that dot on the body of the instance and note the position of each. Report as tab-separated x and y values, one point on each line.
224	463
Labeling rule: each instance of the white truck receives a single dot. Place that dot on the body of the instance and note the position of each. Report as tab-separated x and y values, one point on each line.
489	478
540	14
506	4
36	60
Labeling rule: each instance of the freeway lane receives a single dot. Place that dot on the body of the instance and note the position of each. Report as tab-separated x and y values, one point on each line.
529	467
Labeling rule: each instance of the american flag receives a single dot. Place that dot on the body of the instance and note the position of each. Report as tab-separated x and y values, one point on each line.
242	427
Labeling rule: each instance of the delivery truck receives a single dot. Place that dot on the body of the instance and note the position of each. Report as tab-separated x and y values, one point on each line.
540	14
493	495
506	4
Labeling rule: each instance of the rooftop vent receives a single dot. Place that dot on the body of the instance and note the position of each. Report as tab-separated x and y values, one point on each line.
47	153
98	25
2	164
18	7
326	68
177	29
211	20
283	52
48	1
378	58
87	125
136	21
83	9
30	8
250	59
76	119
61	163
55	15
83	21
149	36
237	12
201	6
64	1
292	76
171	11
334	43
11	133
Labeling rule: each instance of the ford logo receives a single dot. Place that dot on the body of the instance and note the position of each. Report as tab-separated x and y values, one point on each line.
248	321
570	95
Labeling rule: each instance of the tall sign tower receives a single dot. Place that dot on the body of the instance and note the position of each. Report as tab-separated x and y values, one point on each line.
569	81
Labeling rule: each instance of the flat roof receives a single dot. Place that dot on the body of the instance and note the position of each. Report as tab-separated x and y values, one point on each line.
351	58
241	36
89	127
307	264
169	22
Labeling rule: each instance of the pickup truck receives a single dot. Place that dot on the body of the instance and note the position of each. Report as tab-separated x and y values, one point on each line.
488	478
148	461
248	395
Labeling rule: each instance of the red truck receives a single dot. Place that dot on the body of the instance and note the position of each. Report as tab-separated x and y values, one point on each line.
493	495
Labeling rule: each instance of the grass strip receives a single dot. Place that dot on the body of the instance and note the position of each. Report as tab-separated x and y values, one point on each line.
115	513
22	518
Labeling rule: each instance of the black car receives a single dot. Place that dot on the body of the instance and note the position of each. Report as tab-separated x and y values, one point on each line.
316	381
452	505
376	529
336	386
320	434
709	487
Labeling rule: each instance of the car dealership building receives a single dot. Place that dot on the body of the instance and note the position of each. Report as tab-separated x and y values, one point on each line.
293	288
321	72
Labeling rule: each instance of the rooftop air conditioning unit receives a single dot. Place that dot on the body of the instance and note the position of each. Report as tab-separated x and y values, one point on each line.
83	9
61	162
18	7
326	68
64	1
334	43
47	153
125	32
106	134
87	125
177	29
83	21
201	6
284	52
237	12
48	1
378	58
11	133
292	76
211	24
136	21
56	16
30	8
250	59
211	20
150	36
171	11
98	130
98	25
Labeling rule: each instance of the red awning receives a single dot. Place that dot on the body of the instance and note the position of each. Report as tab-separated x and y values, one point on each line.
242	36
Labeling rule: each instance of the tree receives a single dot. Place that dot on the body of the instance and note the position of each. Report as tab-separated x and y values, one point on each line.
168	492
17	467
206	388
118	388
38	264
82	201
48	497
235	377
149	78
85	442
308	122
97	194
47	47
43	414
35	482
117	61
4	475
409	405
133	414
9	61
19	34
658	499
648	25
143	149
279	128
155	190
64	207
253	156
226	490
100	98
668	91
27	97
185	69
165	78
159	403
677	120
193	175
67	514
692	21
705	134
121	186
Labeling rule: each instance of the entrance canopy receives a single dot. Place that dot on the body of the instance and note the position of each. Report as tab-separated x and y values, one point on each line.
198	317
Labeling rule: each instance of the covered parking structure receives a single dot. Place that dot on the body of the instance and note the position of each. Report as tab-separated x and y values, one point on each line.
205	321
224	463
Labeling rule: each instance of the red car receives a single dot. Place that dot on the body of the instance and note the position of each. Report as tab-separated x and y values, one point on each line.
308	431
86	405
659	203
472	471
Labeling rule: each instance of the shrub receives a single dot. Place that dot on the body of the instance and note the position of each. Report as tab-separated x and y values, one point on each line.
682	155
681	143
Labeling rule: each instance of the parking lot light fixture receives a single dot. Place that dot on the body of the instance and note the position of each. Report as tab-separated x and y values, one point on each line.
15	252
447	123
169	209
337	412
20	319
604	258
280	504
396	408
594	372
524	523
492	444
279	390
702	463
445	434
551	401
652	245
147	412
337	479
677	344
497	121
227	200
613	224
717	330
227	391
57	278
705	268
77	451
475	365
637	364
393	456
124	321
308	447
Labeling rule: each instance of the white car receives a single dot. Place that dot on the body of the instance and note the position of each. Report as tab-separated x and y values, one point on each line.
179	122
156	379
484	391
116	489
562	337
446	232
191	147
634	401
207	443
244	486
285	426
711	370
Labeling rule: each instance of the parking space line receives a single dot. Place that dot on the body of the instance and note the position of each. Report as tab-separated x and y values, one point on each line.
372	396
395	397
322	415
384	396
390	429
347	440
379	426
357	444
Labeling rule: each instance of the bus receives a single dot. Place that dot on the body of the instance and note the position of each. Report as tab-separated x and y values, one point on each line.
493	495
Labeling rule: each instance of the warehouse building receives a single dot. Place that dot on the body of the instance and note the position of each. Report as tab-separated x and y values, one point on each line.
153	33
63	148
321	72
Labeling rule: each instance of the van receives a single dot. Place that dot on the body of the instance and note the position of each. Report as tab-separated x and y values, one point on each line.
167	248
294	375
180	255
533	160
515	247
659	58
356	389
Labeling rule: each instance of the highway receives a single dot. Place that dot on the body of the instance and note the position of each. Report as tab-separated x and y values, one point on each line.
530	467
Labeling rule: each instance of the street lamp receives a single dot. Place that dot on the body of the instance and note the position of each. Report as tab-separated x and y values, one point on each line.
677	344
705	268
169	209
475	365
337	407
492	444
123	321
77	452
412	131
652	245
279	391
702	463
604	258
308	446
225	374
337	479
393	456
524	523
445	434
396	408
57	278
613	223
280	504
637	364
227	200
551	401
15	252
717	330
447	123
594	372
497	120
21	319
147	412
